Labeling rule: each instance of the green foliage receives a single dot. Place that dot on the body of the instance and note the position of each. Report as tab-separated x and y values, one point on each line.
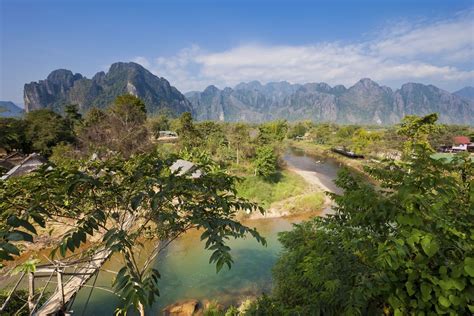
417	131
72	115
298	129
188	135
285	185
119	129
158	123
404	247
94	116
17	305
128	108
266	162
322	133
214	309
44	129
64	154
100	198
213	137
306	203
13	135
274	131
363	140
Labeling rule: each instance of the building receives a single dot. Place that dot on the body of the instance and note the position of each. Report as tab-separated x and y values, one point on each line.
27	165
185	168
461	143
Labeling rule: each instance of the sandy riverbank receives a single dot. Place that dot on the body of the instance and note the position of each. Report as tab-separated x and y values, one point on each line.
277	209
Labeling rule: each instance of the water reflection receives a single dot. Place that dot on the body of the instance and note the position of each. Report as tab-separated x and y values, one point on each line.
185	269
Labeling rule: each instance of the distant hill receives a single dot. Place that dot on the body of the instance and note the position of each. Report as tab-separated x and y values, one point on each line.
63	87
466	93
364	103
10	109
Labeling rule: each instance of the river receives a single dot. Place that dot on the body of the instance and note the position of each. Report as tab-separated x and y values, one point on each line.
185	269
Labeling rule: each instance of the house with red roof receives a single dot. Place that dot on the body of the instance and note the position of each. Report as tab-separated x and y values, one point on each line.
460	143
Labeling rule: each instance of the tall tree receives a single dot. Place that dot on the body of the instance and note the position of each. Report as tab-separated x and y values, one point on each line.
120	129
13	135
44	129
403	247
119	204
72	115
189	136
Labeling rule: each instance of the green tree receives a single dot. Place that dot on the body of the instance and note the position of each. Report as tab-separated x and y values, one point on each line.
274	131
298	129
121	128
212	135
363	140
158	123
266	162
238	139
13	135
188	135
323	133
403	247
129	109
417	131
44	129
72	115
120	204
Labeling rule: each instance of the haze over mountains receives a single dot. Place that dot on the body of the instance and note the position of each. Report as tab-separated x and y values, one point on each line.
466	93
366	102
10	109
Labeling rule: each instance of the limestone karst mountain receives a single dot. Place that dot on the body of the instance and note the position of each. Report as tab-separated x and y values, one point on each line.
366	102
63	87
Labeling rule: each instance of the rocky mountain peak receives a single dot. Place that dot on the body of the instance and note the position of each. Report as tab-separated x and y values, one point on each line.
63	87
366	102
63	76
211	90
252	85
366	84
466	93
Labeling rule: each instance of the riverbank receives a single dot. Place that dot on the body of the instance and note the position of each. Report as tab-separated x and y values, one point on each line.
317	172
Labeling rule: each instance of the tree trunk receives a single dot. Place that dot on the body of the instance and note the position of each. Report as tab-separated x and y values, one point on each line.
141	309
31	291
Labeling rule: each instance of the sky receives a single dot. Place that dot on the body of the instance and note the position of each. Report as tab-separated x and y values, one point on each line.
197	43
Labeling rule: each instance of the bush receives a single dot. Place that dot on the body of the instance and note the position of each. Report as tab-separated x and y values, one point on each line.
265	162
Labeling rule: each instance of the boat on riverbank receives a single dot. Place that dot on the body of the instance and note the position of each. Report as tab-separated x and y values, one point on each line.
347	153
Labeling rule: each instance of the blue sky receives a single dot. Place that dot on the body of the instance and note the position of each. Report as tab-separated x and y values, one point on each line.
197	43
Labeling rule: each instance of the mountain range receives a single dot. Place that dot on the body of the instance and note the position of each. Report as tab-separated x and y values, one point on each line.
62	87
10	109
466	93
366	102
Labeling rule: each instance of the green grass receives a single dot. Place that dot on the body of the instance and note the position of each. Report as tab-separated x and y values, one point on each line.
265	193
308	203
447	156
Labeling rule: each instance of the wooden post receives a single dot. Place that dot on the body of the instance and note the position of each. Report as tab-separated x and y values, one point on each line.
31	291
60	286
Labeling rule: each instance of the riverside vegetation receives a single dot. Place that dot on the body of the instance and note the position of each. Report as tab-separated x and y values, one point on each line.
403	245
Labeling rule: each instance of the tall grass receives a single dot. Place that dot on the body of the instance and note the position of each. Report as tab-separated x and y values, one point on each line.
265	192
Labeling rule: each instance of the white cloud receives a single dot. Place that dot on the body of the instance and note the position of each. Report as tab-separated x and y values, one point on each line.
435	52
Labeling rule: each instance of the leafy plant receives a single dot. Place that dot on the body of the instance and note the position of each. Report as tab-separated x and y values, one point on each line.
265	162
403	247
124	202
